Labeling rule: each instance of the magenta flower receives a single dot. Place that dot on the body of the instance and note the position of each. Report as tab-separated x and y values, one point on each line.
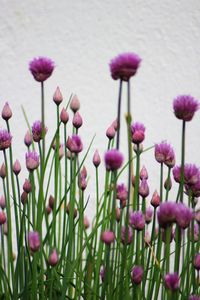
113	159
144	188
41	68
53	258
32	160
155	200
102	273
110	132
191	174
34	241
137	274
138	133
129	235
183	215
185	107
197	261
124	66
172	281
137	220
96	159
6	112
37	131
5	139
122	192
164	153
108	237
194	297
74	144
167	213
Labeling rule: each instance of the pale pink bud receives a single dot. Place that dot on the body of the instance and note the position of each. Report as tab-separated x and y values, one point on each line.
24	197
2	218
53	258
28	139
75	104
108	237
96	159
27	186
144	188
115	124
17	167
64	116
2	202
3	171
6	112
110	132
86	222
57	97
118	214
143	173
155	200
77	120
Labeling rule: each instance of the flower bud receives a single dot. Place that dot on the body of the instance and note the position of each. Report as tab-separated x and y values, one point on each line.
2	202
64	116
77	120
6	112
48	210
197	261
143	173
51	201
96	159
2	217
86	222
34	241
16	167
110	132
3	171
53	258
118	214
24	197
108	237
137	274
168	184
68	210
75	104
144	188
27	186
155	200
28	139
57	97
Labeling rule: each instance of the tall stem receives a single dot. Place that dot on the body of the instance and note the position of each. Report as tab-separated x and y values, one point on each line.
119	113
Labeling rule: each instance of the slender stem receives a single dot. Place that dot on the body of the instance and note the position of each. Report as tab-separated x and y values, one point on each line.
43	120
182	161
119	114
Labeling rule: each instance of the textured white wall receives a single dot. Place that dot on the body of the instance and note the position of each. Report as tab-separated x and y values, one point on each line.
82	37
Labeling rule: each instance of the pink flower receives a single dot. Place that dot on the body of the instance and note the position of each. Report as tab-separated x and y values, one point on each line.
32	160
108	237
137	274
164	153
167	214
6	112
41	68
197	261
34	241
124	66
113	160
122	192
144	188
183	215
53	258
155	200
185	107
143	173
148	215
138	133
137	220
17	167
5	139
28	139
27	186
74	144
2	218
37	131
77	120
172	281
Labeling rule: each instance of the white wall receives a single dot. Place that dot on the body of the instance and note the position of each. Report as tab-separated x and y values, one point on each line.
82	37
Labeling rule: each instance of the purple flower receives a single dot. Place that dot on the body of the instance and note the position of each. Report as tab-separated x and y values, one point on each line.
183	215
177	173
197	261
191	174
41	68
144	188
32	160
75	104
113	159
28	139
137	274
108	237
124	66
166	214
122	192
138	133
129	235
37	131
137	220
184	107
74	144
164	153
172	281
34	241
195	189
194	297
5	139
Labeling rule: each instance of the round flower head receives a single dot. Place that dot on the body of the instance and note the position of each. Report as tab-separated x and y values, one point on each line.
108	237
41	68
53	258
129	238
32	160
138	133
164	153
37	131
74	144
197	261
122	192
34	241
6	112
191	174
183	215
137	220
167	214
137	274
124	66
172	281
113	159
5	139
185	107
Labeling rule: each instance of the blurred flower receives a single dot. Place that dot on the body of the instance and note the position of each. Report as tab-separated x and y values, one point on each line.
53	258
129	235
27	186
137	274
113	159
102	273
32	160
3	171
86	222
183	215
2	217
34	241
164	153
108	237
6	112
124	66
185	107
166	214
28	139
74	144
5	139
2	202
148	215
194	297
172	281
41	68
137	220
197	261
138	133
